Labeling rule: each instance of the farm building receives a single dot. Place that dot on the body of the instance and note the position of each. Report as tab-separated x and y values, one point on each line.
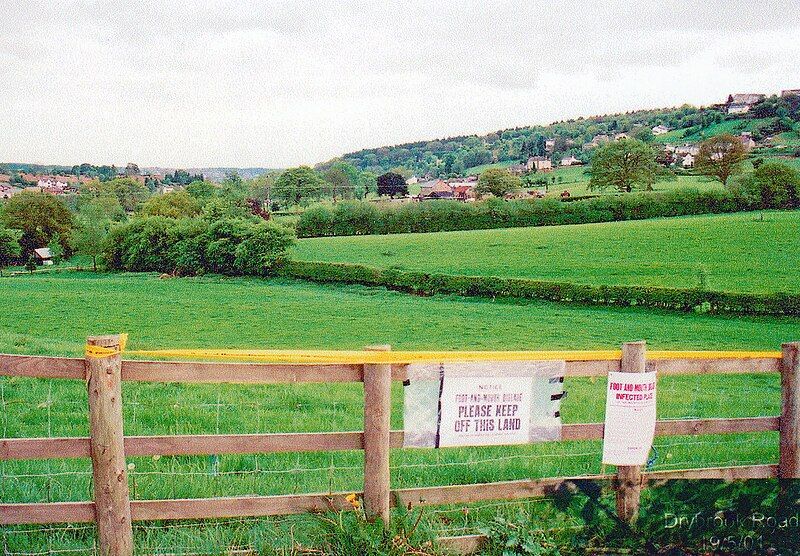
540	163
438	189
660	130
741	103
464	191
570	161
43	256
747	140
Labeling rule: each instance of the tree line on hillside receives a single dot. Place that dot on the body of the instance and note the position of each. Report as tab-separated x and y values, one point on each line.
103	212
451	157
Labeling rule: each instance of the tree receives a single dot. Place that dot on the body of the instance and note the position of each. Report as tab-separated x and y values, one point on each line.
108	202
341	178
498	182
132	169
644	134
720	157
89	235
367	183
177	204
623	165
10	249
56	249
391	184
264	246
40	216
297	186
771	185
201	190
129	192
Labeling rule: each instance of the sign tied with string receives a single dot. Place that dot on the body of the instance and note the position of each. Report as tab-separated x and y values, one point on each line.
483	403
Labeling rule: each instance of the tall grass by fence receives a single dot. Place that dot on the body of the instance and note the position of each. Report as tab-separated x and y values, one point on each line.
113	510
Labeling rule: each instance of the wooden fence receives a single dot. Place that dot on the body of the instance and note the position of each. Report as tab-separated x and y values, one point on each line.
107	447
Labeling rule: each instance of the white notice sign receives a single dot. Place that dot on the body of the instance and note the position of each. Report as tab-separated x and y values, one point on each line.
630	418
485	411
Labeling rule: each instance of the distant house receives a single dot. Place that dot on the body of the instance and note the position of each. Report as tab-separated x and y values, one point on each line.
438	190
687	148
570	161
741	103
747	140
518	169
539	163
43	256
596	141
464	191
790	92
619	136
412	180
688	161
660	129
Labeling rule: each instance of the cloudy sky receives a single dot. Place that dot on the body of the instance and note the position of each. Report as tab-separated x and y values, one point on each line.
180	83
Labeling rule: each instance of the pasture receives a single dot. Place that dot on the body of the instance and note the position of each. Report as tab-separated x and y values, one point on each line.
732	252
53	313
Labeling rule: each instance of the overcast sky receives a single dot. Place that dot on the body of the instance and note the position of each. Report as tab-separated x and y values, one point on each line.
275	84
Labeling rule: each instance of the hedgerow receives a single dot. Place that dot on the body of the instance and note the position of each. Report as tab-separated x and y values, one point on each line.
421	283
363	218
192	246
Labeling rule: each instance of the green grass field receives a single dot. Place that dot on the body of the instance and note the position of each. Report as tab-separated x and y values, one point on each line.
53	313
736	252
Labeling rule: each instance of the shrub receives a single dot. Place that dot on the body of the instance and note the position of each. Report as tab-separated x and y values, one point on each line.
263	247
771	185
224	236
191	246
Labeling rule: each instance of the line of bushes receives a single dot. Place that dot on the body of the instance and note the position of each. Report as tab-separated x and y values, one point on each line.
420	283
193	246
363	218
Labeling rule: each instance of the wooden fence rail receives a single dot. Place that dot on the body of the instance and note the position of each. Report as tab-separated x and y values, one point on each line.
107	446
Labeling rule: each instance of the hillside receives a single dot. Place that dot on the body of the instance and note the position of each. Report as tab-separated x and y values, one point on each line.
749	254
772	122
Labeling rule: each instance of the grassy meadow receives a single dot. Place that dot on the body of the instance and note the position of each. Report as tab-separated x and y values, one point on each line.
748	254
53	313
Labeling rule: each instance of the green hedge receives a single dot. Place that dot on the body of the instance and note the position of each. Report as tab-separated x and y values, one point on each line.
192	246
363	218
489	286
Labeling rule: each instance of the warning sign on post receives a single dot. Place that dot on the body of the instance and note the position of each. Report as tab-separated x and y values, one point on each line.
485	411
630	418
482	403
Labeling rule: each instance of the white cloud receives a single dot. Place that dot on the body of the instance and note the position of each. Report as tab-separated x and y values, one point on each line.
280	83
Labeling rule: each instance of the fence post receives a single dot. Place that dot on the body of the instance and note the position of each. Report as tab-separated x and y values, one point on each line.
629	477
789	462
377	412
110	478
